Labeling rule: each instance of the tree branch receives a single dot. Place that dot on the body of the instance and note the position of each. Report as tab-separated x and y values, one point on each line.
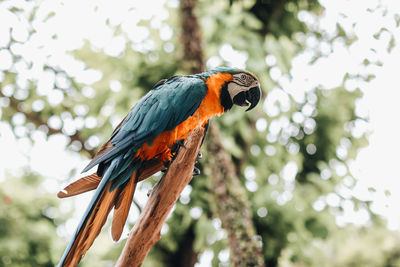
146	231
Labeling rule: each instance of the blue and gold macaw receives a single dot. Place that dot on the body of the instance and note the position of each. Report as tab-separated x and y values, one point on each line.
143	144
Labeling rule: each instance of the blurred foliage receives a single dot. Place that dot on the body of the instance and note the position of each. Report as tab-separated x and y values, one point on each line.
276	17
28	226
291	154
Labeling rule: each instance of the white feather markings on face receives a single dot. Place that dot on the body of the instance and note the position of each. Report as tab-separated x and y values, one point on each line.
241	82
235	89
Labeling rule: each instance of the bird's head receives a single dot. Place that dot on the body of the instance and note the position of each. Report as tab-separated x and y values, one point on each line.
243	89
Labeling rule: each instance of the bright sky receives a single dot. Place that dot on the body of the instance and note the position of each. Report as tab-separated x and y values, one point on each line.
376	166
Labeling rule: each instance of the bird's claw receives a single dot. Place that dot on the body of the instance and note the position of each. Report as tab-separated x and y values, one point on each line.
196	171
175	147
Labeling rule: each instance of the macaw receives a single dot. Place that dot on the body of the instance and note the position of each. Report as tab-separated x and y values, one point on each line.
145	142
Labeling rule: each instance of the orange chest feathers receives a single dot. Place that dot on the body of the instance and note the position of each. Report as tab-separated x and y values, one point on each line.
209	107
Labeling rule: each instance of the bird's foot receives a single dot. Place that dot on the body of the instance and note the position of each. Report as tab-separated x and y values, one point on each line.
175	147
196	171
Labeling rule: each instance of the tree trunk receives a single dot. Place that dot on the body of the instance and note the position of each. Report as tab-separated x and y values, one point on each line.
191	38
233	205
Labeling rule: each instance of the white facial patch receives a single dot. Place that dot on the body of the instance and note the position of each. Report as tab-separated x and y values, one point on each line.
235	89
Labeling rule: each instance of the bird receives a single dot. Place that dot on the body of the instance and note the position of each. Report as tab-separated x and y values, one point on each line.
147	140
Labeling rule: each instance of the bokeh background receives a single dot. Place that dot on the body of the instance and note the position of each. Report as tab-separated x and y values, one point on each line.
318	159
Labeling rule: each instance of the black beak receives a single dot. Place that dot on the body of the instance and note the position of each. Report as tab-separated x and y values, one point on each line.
253	96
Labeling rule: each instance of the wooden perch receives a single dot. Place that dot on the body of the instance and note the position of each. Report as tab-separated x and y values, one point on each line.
147	231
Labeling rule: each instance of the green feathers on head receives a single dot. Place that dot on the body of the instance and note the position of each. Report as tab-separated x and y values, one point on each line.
208	73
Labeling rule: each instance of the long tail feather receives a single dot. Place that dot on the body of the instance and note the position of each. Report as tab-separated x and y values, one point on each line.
80	186
91	182
122	206
99	208
92	221
98	218
93	227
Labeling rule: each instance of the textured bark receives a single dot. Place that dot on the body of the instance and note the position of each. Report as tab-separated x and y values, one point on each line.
146	231
233	206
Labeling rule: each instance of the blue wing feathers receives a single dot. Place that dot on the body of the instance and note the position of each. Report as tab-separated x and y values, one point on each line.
162	109
124	176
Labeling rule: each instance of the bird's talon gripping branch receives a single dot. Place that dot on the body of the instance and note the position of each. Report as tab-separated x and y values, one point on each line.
175	147
147	140
196	171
